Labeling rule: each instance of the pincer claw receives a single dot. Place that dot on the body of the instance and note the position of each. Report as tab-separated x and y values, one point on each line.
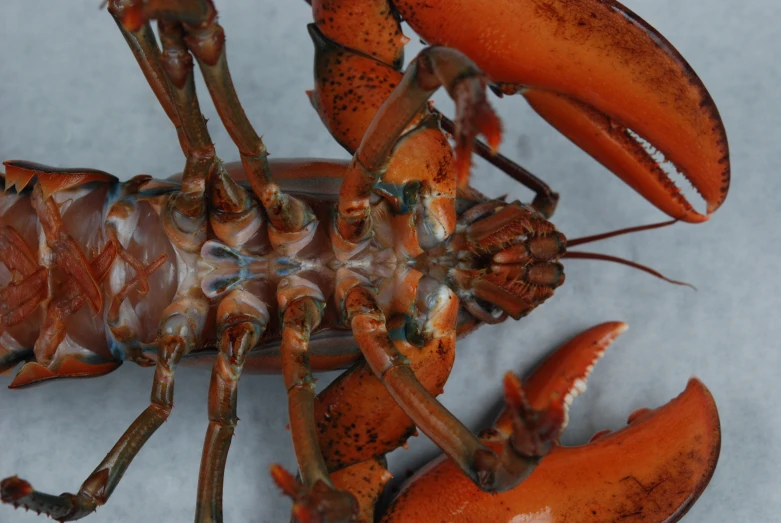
533	435
474	115
19	493
603	77
657	466
534	431
318	504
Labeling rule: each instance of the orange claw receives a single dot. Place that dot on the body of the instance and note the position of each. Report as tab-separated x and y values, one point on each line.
475	116
655	468
564	373
599	74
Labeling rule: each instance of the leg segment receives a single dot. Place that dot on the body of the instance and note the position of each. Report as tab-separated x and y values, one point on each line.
372	28
185	214
191	26
242	319
356	417
303	304
545	200
434	67
143	44
536	429
171	78
177	337
206	40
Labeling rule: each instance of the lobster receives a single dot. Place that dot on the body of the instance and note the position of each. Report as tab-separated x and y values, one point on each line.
229	251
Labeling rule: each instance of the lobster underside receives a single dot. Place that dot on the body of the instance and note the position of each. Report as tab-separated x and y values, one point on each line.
375	266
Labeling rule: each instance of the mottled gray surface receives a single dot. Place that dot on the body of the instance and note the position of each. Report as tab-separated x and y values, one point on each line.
71	95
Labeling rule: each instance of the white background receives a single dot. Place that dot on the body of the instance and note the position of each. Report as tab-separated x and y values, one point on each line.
71	95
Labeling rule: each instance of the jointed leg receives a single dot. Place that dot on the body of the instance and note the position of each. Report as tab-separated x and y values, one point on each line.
545	200
170	75
191	26
176	339
434	67
303	305
535	430
206	40
242	319
143	44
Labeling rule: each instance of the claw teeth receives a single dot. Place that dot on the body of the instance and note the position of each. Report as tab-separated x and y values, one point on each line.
679	186
579	386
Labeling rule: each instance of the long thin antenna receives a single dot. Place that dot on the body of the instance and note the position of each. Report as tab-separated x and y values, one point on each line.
618	232
606	257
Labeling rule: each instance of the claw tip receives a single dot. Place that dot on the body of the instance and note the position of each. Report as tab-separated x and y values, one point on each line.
462	165
302	514
284	480
13	489
513	392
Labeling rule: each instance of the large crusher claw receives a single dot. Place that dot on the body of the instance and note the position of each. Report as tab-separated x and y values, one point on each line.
603	77
654	469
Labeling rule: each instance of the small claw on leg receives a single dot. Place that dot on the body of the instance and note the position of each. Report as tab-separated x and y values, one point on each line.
533	435
285	481
318	504
13	489
19	493
563	374
534	431
474	116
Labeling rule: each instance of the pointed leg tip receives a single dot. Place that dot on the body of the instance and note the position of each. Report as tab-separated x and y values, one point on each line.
13	489
284	480
320	503
490	126
462	166
513	392
302	514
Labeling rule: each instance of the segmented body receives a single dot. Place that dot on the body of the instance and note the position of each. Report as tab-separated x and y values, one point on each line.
200	278
127	327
